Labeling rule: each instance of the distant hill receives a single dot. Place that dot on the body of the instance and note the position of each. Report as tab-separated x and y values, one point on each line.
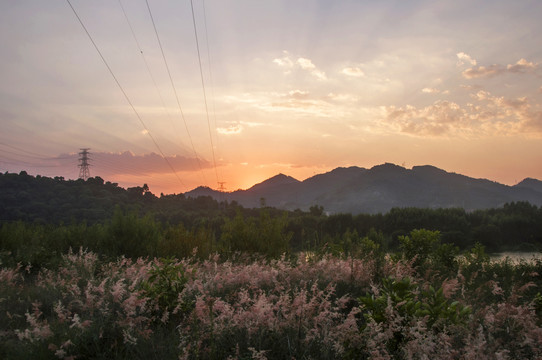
529	183
358	190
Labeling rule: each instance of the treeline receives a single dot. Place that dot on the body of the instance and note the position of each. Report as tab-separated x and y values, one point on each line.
42	216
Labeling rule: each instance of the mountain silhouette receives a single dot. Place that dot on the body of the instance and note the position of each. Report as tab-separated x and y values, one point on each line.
377	190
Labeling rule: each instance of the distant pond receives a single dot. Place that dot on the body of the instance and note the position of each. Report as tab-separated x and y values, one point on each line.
517	256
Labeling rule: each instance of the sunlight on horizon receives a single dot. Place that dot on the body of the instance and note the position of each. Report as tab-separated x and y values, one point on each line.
295	88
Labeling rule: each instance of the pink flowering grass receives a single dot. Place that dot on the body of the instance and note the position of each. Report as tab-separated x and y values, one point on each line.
250	307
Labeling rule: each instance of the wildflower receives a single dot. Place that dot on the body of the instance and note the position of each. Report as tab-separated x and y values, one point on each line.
258	355
10	276
39	329
118	290
450	287
60	353
128	338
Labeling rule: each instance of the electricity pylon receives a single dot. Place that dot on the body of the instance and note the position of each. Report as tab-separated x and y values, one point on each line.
84	172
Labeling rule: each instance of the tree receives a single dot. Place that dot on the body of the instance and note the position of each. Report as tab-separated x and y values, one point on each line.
419	245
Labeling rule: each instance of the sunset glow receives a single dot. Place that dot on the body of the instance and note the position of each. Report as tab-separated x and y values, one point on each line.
292	87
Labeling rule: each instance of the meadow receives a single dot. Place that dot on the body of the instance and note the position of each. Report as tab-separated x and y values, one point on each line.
89	270
418	303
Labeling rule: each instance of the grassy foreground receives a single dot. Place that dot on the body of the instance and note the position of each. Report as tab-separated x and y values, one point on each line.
371	306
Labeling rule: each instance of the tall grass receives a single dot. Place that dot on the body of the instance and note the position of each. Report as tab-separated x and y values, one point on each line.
247	307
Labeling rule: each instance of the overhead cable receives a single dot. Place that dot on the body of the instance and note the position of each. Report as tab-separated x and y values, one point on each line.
204	92
124	93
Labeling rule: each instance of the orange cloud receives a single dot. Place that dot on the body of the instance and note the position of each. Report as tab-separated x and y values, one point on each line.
434	120
127	163
489	115
353	71
521	66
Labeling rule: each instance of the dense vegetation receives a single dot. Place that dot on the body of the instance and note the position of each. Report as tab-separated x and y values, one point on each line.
90	270
41	217
367	305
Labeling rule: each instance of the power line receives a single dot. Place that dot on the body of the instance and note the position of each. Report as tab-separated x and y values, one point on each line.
119	167
173	86
16	162
204	92
32	154
124	93
210	71
147	65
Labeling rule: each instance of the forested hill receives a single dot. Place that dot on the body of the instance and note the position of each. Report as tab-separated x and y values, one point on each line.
56	200
56	206
379	189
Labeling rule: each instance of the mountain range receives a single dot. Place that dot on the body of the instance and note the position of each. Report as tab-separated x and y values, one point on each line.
378	189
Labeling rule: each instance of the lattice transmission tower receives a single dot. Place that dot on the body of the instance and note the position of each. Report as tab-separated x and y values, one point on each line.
84	163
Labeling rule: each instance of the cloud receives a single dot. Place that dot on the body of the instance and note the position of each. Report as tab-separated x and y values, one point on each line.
434	120
237	127
533	120
348	98
302	102
301	63
487	115
306	64
297	101
284	61
520	67
518	113
430	90
353	71
483	71
230	130
464	58
127	163
298	94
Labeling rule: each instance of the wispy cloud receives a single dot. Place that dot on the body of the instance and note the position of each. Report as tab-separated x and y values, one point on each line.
520	67
487	115
430	91
237	127
128	163
284	62
230	130
353	71
519	113
464	58
433	120
306	64
297	101
302	63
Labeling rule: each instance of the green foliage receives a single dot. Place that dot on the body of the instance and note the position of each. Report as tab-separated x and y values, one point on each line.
403	303
45	201
419	245
179	242
444	259
167	279
398	294
410	302
476	258
440	310
264	235
425	250
131	235
537	302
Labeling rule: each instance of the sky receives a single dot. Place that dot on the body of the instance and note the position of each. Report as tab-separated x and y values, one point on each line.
227	93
